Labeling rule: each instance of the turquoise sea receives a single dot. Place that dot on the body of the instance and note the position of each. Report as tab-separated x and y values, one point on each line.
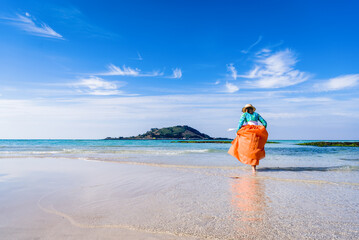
324	163
285	156
177	190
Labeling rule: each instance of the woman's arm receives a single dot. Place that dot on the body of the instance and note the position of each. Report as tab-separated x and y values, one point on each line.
241	121
262	120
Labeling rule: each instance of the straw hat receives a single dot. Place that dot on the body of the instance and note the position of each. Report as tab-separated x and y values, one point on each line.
247	106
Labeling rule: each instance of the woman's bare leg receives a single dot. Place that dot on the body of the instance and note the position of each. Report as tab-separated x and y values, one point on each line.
254	168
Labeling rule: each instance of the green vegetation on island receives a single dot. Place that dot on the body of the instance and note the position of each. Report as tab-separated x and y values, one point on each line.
330	144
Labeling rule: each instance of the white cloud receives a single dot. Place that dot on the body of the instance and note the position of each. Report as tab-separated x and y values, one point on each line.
338	83
121	115
96	86
139	56
135	72
251	46
232	70
126	116
128	71
125	71
263	52
275	71
231	88
30	25
177	73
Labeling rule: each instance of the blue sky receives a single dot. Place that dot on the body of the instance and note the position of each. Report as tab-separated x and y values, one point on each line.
85	69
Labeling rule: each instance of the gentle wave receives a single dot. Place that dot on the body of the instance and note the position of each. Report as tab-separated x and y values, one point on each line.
127	151
30	152
349	159
264	169
310	169
199	167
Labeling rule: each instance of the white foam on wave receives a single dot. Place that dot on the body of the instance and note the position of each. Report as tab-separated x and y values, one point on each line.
29	152
104	151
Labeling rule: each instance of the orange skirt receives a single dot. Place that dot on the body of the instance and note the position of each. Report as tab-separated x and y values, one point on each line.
248	146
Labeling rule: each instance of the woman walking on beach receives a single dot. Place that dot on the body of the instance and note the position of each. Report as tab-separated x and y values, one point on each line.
248	146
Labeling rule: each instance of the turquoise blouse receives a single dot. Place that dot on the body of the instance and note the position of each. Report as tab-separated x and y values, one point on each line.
246	117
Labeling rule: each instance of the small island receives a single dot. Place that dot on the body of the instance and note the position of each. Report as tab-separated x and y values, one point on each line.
170	133
180	134
330	144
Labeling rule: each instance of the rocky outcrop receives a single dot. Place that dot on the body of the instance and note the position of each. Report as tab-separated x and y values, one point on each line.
176	132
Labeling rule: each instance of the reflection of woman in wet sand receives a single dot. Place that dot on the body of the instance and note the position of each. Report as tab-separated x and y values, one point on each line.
250	204
248	197
248	146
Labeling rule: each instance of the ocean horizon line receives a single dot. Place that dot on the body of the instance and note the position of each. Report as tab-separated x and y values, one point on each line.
100	139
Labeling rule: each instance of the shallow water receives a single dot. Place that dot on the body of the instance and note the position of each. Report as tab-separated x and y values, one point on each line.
181	190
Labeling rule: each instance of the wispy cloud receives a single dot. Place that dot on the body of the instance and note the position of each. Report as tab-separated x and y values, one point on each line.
275	70
338	83
128	71
96	86
29	24
177	73
231	88
232	70
139	56
245	51
125	71
263	52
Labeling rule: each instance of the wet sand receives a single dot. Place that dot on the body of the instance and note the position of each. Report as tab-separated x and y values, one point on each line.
56	198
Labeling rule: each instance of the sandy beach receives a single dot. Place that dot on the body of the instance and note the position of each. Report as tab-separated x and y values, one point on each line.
71	198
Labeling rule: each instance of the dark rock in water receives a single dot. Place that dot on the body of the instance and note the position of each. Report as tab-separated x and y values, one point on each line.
176	132
331	144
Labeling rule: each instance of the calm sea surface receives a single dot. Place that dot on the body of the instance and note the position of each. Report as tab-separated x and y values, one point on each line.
284	154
